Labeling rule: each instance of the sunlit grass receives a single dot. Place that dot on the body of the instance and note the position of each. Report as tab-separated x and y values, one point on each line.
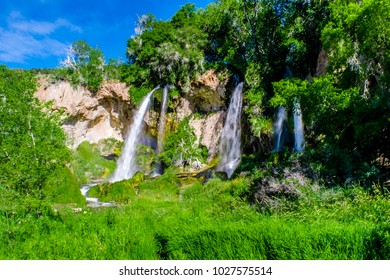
165	220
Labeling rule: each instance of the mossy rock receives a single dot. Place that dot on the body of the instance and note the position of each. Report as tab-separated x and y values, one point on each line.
221	175
138	177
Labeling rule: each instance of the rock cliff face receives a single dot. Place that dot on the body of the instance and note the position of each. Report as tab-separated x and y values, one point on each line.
208	93
208	131
91	117
108	113
206	98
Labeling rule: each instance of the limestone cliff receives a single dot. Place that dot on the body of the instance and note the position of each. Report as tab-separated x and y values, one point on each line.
90	117
208	131
108	113
208	93
205	105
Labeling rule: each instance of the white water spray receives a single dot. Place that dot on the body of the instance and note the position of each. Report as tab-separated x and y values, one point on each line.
127	165
92	201
281	117
230	146
298	128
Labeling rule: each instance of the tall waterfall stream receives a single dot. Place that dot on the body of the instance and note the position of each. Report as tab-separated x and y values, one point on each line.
127	166
230	146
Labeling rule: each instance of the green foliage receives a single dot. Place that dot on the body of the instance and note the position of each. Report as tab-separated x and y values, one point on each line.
223	22
166	52
346	114
340	135
255	98
113	70
266	239
32	145
88	65
180	147
378	243
357	39
162	188
89	165
287	91
85	66
138	93
169	222
63	187
304	21
145	158
345	111
120	192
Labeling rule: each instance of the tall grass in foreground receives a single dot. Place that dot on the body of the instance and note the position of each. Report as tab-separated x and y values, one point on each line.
204	221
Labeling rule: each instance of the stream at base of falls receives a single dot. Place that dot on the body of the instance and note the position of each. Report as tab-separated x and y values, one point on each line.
92	201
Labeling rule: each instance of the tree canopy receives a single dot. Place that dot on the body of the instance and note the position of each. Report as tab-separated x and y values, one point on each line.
331	55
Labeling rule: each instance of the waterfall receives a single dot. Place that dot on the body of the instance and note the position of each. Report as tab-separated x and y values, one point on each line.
161	128
127	165
281	117
298	128
230	146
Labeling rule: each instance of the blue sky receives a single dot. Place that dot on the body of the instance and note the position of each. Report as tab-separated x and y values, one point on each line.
36	33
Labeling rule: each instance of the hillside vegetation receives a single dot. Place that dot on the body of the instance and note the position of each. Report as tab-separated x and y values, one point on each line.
330	201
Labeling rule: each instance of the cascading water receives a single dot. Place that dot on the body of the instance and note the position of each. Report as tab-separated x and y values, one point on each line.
127	165
92	201
230	146
281	117
161	128
298	128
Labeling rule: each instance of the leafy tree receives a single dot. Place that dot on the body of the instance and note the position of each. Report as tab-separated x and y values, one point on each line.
32	145
302	23
357	40
255	98
166	52
84	65
223	22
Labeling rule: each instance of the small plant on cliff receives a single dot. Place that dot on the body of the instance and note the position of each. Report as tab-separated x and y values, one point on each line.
181	149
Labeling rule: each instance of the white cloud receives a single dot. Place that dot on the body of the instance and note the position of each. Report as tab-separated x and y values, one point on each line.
22	39
41	27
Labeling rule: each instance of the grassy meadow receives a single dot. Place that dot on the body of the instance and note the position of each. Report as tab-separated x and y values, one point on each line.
161	219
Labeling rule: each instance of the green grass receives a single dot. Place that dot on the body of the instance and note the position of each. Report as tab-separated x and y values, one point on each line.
164	220
269	238
63	187
89	165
